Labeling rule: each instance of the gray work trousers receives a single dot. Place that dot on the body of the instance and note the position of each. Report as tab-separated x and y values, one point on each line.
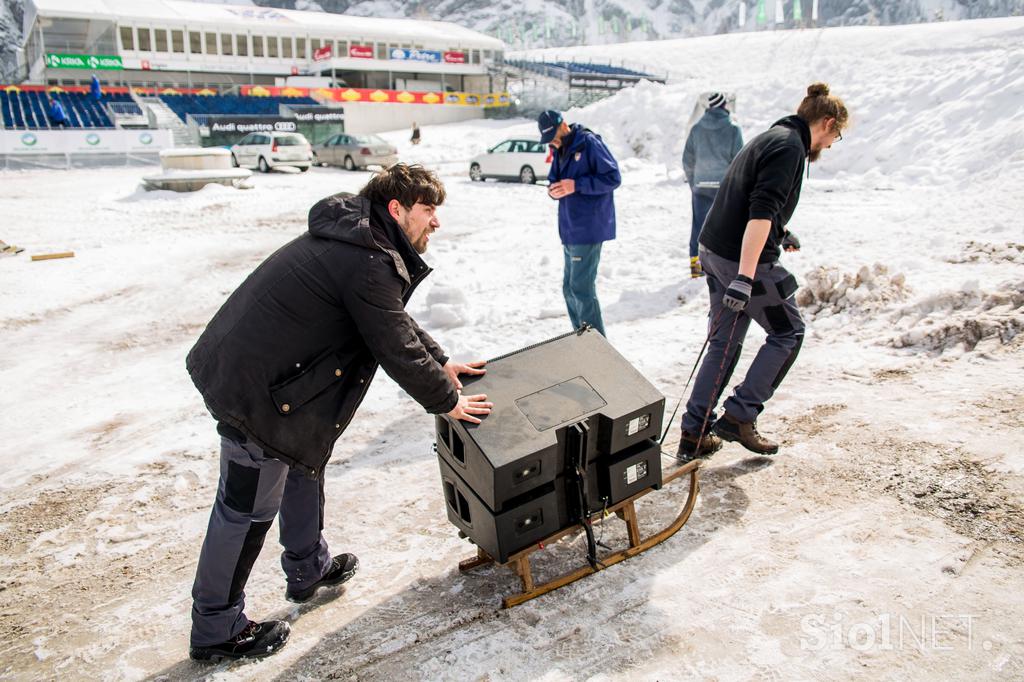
253	489
773	306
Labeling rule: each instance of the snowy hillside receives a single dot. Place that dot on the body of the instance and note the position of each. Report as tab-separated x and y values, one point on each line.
884	541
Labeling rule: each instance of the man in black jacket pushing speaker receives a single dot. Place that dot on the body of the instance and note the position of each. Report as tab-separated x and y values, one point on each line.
740	244
282	367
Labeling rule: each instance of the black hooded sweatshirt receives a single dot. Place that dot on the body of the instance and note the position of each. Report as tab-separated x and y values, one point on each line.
763	182
289	356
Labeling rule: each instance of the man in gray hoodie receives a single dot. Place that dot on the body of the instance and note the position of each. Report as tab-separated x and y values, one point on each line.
713	142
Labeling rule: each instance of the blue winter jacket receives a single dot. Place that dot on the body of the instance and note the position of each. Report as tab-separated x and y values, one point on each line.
588	215
713	142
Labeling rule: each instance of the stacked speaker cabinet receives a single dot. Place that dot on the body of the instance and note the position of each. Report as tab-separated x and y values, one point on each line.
572	431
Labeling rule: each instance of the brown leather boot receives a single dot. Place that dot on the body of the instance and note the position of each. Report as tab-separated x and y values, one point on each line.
690	448
744	433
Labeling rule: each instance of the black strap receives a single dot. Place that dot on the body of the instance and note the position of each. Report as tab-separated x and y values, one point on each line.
576	447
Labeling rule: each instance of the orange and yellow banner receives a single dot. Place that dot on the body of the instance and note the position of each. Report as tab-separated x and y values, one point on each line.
370	95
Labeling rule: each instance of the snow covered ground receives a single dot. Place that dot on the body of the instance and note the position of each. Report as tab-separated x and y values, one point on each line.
885	540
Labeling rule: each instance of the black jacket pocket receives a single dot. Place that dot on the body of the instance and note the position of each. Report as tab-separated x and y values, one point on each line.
326	371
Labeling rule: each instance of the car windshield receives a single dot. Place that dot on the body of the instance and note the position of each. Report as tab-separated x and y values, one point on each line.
290	140
368	139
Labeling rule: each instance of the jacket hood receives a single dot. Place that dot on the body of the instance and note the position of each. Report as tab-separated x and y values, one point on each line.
796	123
715	118
352	219
344	217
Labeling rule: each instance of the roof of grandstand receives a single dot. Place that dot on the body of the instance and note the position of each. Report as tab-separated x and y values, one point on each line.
262	18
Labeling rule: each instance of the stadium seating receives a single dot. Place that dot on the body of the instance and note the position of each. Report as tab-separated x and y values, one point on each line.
578	68
202	105
30	110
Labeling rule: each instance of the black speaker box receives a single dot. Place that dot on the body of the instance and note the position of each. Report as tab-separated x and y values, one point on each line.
531	518
538	392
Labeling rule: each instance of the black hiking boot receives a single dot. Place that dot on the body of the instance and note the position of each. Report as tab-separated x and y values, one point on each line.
744	433
690	448
256	640
342	568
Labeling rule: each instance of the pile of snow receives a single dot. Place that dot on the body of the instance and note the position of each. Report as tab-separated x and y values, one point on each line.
447	307
993	253
969	320
826	290
909	122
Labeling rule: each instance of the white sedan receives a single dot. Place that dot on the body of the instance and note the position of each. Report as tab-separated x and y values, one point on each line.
521	160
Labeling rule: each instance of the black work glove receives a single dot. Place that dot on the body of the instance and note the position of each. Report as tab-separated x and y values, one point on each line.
790	242
737	296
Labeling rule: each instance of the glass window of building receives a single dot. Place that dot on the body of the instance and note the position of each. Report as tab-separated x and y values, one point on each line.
178	41
211	42
272	49
300	48
475	57
127	38
227	41
487	54
243	45
257	46
161	39
341	49
286	47
145	40
382	51
195	42
314	44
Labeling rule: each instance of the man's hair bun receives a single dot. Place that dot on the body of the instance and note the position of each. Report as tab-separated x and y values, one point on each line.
817	90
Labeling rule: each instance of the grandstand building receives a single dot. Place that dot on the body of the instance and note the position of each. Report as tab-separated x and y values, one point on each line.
173	43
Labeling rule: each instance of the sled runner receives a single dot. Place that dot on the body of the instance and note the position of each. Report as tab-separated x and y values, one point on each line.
625	510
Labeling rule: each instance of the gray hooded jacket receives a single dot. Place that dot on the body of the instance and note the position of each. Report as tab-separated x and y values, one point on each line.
713	142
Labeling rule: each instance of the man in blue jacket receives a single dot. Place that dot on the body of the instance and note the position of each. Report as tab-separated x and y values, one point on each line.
582	178
58	117
713	142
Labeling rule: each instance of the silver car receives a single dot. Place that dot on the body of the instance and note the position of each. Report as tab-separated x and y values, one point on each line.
355	151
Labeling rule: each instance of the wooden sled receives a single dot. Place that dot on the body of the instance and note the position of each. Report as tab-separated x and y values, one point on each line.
625	510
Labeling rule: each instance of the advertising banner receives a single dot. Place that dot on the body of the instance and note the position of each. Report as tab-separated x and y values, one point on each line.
274	91
323	53
93	142
94	62
311	114
467	99
250	124
105	141
454	57
19	142
146	141
360	51
428	56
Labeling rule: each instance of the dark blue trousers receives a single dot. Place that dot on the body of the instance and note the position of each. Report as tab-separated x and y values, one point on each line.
701	200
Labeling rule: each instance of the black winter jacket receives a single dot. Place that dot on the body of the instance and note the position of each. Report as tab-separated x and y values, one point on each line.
289	356
763	182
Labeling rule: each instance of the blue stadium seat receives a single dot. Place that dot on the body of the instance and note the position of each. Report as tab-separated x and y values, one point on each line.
184	105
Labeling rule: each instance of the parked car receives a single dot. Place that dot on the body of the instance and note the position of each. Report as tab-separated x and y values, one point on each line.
355	151
520	160
269	150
